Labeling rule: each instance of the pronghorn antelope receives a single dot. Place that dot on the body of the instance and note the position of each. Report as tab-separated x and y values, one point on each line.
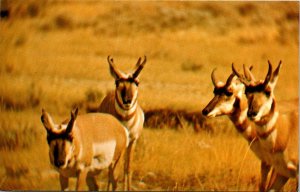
85	145
277	133
122	103
230	100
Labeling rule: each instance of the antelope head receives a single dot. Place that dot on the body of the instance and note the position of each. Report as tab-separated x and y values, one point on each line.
126	83
225	95
260	93
60	139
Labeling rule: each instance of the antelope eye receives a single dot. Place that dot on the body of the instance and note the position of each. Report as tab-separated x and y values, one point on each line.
136	83
268	93
118	82
228	93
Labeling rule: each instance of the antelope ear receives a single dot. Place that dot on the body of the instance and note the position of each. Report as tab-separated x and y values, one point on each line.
70	126
47	121
274	77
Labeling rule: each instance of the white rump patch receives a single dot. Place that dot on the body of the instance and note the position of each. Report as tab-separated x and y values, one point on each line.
103	155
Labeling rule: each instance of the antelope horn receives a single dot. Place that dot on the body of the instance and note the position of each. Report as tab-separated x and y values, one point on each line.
139	67
213	78
275	73
269	75
229	79
248	75
116	73
241	77
251	67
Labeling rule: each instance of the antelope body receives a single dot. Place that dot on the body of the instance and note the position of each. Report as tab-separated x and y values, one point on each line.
277	133
84	146
123	104
230	100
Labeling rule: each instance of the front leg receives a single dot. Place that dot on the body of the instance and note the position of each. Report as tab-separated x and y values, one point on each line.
81	179
128	159
272	178
264	171
64	182
278	183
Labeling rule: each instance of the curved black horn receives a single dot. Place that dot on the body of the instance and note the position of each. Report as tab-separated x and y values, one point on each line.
110	60
275	73
269	74
116	73
139	67
213	77
247	72
228	82
241	77
235	71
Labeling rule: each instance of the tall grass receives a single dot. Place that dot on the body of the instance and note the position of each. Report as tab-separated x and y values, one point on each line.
196	162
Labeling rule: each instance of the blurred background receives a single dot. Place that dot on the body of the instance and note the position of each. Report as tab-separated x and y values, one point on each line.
53	56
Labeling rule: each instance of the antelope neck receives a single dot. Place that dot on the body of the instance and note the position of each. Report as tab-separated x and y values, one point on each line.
240	120
124	114
267	122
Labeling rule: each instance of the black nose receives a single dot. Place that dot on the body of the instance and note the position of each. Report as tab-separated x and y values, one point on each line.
251	113
205	111
127	101
59	163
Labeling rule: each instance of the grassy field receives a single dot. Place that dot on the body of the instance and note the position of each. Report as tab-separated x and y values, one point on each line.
53	56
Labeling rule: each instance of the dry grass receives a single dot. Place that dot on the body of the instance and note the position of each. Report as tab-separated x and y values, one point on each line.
53	56
195	162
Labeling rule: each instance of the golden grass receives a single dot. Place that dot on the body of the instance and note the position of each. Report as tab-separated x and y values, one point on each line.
53	56
187	160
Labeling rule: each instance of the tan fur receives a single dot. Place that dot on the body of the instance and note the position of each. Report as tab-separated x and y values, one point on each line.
287	142
122	103
89	129
100	127
278	133
107	106
237	114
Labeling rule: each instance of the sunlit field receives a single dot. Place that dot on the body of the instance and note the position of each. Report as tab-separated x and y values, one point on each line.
53	55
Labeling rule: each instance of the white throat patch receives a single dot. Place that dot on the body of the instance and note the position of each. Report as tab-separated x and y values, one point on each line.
123	112
265	108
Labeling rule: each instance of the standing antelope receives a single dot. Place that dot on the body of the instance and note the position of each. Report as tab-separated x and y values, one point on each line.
84	146
230	100
278	133
122	103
